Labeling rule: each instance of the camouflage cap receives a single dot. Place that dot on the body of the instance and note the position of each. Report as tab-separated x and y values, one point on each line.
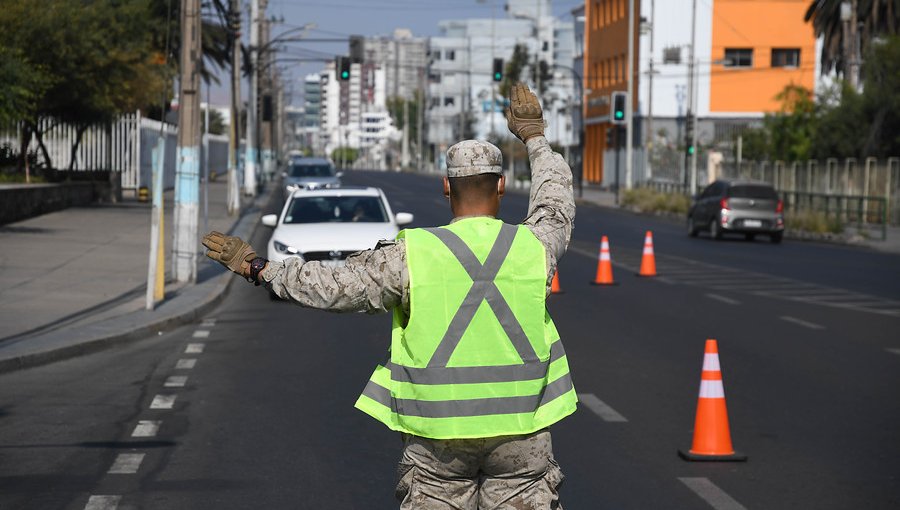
473	157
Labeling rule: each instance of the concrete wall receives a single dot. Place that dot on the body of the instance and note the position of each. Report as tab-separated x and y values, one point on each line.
22	201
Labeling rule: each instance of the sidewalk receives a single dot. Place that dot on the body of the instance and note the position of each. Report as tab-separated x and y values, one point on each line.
75	280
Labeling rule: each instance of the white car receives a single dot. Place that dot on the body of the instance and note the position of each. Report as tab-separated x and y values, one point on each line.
330	224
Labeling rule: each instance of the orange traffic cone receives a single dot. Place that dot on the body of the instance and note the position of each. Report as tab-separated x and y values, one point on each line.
648	260
604	265
712	437
554	285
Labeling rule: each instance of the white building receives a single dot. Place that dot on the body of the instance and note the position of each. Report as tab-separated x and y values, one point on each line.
463	97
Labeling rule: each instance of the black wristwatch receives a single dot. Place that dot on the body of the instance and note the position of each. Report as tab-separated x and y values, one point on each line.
256	265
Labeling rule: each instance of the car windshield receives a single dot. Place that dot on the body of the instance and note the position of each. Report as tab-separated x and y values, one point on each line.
336	209
752	191
323	170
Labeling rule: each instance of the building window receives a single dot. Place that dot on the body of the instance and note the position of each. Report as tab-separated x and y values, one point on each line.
738	57
785	57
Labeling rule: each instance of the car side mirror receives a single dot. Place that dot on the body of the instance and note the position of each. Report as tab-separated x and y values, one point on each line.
403	218
270	220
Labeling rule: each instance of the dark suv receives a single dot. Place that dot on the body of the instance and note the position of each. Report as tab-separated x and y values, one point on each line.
745	207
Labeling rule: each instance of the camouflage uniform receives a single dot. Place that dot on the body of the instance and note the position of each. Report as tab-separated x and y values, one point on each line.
515	472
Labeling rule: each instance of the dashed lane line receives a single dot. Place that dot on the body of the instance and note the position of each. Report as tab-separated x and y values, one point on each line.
723	299
201	333
146	428
716	497
163	402
600	408
194	348
185	364
893	350
103	503
126	464
175	381
801	322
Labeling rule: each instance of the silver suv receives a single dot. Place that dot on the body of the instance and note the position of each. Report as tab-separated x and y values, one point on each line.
746	207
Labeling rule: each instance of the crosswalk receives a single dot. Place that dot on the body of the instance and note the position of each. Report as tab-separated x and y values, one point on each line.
714	277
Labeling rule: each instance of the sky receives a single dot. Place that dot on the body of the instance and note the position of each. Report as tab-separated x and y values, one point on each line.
341	18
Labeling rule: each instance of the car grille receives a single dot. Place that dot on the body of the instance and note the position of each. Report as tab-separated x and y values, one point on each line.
326	255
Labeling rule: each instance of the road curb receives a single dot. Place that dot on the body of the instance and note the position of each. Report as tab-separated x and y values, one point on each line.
188	305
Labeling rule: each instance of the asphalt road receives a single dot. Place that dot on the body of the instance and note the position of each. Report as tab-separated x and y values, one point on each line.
264	418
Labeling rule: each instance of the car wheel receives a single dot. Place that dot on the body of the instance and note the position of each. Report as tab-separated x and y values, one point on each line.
715	231
691	228
775	237
749	237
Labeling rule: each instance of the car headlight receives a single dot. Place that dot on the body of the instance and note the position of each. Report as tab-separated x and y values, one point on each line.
283	248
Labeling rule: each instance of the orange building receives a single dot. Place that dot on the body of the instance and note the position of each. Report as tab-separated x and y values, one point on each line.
746	52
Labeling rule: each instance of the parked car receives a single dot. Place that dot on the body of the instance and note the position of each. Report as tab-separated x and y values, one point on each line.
310	173
746	207
330	224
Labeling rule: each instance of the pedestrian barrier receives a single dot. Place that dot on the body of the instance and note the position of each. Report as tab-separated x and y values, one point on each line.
648	259
554	285
604	265
712	436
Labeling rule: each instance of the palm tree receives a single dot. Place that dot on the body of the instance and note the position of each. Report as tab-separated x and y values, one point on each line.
876	18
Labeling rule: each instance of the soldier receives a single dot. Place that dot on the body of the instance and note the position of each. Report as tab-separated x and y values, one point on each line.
477	372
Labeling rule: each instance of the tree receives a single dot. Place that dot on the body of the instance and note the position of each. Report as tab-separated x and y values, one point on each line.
877	17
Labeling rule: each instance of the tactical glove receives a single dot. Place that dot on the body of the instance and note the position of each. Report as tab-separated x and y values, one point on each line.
523	115
230	251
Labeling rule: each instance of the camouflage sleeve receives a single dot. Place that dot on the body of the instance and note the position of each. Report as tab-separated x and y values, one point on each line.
551	206
371	281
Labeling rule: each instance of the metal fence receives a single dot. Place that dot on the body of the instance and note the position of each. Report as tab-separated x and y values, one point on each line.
126	147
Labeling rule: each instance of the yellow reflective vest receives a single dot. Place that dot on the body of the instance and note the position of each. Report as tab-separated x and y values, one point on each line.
479	355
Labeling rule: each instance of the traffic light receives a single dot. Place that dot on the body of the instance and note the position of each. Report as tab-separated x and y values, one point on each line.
498	69
689	134
343	68
618	107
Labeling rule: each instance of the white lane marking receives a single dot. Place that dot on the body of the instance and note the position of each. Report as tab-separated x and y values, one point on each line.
103	503
201	333
163	402
126	464
146	428
599	408
194	348
801	322
175	381
895	351
716	497
723	299
208	323
185	364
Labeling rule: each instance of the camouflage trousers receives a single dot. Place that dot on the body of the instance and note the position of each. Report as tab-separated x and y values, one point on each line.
498	473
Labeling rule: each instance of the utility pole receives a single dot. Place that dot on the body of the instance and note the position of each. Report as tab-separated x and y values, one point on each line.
629	104
250	158
187	169
692	103
648	169
234	132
